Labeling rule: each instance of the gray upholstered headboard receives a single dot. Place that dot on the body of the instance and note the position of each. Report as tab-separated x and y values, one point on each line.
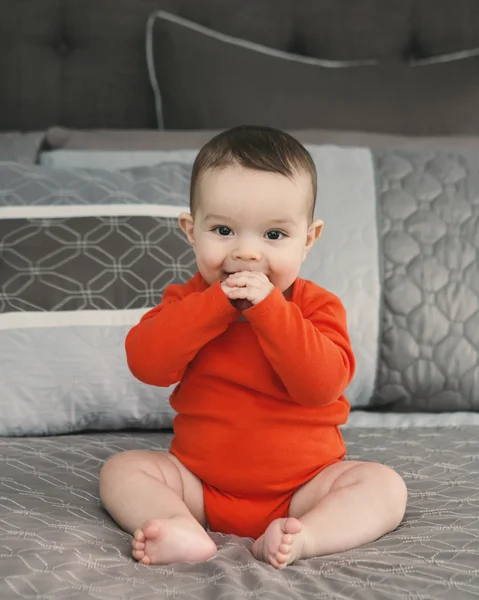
81	63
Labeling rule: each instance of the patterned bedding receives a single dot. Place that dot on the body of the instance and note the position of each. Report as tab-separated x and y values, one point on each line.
56	542
412	222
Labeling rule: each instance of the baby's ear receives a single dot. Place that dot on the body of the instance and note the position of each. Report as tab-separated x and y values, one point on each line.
314	231
185	221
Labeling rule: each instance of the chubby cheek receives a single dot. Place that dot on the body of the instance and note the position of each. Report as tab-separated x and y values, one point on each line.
284	272
209	256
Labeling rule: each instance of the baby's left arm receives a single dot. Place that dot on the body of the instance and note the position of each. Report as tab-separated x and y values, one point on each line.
311	353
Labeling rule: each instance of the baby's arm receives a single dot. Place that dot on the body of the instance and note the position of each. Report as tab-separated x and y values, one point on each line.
168	337
311	354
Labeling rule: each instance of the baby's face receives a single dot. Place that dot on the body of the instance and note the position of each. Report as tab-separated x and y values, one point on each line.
252	221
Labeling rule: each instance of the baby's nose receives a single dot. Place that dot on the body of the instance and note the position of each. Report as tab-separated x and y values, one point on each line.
246	251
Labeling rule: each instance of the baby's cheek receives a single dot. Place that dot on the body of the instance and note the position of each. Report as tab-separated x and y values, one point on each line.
210	255
288	263
285	272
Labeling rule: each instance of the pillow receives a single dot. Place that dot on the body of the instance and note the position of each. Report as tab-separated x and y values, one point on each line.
61	138
203	79
84	254
113	160
429	231
58	139
21	147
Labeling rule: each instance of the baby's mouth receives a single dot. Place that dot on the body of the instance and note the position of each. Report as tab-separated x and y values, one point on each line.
228	273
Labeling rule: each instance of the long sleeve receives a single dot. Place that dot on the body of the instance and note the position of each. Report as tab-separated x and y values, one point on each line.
169	336
309	349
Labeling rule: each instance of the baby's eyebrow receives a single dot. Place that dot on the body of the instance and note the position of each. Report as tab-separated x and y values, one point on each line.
282	222
217	217
270	222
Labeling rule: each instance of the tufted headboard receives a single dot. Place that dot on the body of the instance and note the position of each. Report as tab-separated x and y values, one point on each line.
81	63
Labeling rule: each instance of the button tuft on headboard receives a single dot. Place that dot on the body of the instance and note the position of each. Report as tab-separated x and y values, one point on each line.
63	47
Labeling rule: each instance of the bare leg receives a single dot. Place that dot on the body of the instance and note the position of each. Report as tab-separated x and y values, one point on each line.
156	499
345	506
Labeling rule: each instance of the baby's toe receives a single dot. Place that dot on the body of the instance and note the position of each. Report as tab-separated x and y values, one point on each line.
292	525
139	535
138	545
138	555
146	560
285	548
287	538
151	530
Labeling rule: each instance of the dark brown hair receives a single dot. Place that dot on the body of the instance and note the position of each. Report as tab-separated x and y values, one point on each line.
257	148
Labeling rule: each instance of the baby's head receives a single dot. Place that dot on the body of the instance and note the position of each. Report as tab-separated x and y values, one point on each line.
252	199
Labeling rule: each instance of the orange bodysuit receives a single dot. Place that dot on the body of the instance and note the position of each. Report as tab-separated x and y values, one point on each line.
259	401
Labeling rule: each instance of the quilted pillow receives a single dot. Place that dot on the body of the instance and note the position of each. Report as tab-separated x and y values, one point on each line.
204	79
428	213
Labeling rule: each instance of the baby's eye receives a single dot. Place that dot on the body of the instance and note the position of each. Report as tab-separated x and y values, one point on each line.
274	234
222	230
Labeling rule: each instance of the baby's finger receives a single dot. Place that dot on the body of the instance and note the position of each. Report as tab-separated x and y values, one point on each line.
249	274
238	293
230	282
241	280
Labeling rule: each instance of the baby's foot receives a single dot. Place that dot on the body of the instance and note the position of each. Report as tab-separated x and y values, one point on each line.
165	541
281	544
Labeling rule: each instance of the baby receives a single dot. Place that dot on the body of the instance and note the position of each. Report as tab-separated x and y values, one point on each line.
262	358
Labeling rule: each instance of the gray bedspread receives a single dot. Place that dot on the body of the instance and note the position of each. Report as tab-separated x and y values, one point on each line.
56	542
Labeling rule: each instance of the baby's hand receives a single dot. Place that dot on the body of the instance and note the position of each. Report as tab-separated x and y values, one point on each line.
247	285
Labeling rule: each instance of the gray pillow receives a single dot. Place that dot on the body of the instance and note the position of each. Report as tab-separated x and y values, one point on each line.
21	147
112	160
83	255
428	220
61	138
203	79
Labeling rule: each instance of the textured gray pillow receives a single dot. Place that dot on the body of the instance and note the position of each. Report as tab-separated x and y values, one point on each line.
429	227
83	255
204	79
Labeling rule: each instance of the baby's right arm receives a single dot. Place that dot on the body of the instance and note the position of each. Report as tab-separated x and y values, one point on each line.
169	336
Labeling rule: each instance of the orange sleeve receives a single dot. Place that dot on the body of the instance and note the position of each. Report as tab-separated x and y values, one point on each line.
311	352
169	336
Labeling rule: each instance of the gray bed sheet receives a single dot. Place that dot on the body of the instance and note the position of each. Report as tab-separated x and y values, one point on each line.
56	542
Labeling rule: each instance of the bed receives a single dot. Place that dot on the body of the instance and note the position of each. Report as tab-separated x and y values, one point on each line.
104	106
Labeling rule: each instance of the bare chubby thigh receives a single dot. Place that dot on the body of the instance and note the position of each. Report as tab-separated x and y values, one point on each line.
310	493
182	481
